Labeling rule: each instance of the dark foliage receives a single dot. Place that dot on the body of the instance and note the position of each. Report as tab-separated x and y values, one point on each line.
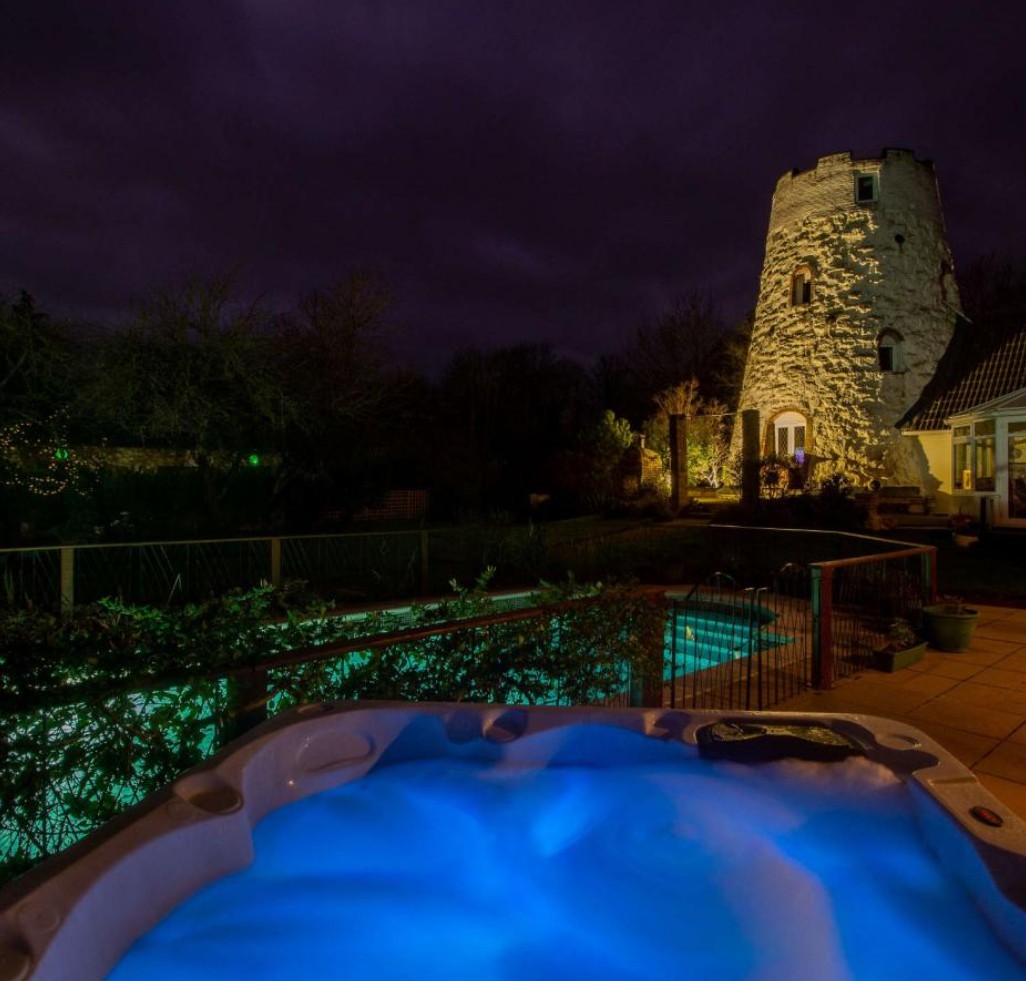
103	709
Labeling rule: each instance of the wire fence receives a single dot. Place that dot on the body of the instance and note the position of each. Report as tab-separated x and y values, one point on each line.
862	603
740	648
351	567
378	565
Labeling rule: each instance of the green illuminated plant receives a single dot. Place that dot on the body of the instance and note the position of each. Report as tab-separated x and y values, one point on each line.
99	710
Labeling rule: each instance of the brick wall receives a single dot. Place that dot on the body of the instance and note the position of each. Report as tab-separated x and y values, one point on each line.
398	505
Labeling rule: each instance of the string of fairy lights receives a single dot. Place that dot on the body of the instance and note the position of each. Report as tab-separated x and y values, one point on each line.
37	457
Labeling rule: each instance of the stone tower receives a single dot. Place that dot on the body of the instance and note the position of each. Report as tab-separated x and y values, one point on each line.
857	303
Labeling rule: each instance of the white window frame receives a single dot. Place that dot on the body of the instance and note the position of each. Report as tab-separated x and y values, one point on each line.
789	422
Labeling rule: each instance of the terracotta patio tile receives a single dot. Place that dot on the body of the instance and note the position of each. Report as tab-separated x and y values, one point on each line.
1013	662
803	703
827	701
1019	736
1005	631
988	697
928	684
998	677
967	717
984	644
885	678
948	666
981	658
888	700
1007	760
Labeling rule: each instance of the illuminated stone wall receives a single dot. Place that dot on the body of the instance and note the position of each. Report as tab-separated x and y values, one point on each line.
879	266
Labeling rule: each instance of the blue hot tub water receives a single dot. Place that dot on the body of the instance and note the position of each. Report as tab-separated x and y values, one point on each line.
583	851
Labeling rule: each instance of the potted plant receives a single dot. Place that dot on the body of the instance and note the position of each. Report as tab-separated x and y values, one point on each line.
949	624
964	530
904	647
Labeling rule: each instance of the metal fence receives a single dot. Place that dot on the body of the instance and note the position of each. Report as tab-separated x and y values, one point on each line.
800	624
369	565
858	602
740	648
753	556
351	566
73	763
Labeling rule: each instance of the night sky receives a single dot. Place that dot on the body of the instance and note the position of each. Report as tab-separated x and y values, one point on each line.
545	171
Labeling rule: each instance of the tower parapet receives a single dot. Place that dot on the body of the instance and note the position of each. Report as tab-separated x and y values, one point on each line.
857	303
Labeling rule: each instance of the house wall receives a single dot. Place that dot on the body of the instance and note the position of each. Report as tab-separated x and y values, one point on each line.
932	453
881	265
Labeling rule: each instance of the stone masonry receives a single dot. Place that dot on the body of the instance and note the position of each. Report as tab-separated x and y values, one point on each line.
856	258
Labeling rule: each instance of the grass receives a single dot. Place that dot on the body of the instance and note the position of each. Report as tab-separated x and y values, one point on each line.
992	571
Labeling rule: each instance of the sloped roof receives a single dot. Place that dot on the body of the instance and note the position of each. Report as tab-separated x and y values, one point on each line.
976	368
1014	402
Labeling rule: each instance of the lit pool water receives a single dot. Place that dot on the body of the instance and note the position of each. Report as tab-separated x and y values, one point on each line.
705	638
584	852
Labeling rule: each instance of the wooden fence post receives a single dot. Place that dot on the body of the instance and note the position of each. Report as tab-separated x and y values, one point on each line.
930	577
276	562
822	627
67	580
247	703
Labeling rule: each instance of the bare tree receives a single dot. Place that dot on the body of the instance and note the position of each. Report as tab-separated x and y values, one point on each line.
708	433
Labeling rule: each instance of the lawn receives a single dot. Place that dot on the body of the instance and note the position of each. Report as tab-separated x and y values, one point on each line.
992	571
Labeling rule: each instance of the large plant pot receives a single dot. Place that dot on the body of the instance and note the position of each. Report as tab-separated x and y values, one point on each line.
949	627
896	660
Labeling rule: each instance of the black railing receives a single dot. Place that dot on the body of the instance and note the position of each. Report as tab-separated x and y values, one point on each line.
858	602
744	648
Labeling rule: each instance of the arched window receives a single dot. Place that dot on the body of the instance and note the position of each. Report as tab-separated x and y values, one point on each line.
790	435
801	286
889	351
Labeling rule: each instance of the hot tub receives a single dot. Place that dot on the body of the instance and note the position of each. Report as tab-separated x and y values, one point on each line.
458	841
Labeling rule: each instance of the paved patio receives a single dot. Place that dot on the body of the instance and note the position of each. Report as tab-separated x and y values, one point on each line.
973	704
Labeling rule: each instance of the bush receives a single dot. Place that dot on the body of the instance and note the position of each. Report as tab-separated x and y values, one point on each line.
101	710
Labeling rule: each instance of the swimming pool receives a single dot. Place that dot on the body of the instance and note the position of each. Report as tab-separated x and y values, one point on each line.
700	637
489	841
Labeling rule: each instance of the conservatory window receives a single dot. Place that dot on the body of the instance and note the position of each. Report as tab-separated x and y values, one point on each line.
983	455
962	470
1017	470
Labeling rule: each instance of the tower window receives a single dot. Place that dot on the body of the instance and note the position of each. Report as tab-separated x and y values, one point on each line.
889	352
801	287
788	435
865	188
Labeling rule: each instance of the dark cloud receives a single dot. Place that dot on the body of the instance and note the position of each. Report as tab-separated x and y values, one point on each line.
539	170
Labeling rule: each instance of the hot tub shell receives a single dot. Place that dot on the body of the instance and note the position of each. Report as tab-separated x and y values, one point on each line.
76	915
